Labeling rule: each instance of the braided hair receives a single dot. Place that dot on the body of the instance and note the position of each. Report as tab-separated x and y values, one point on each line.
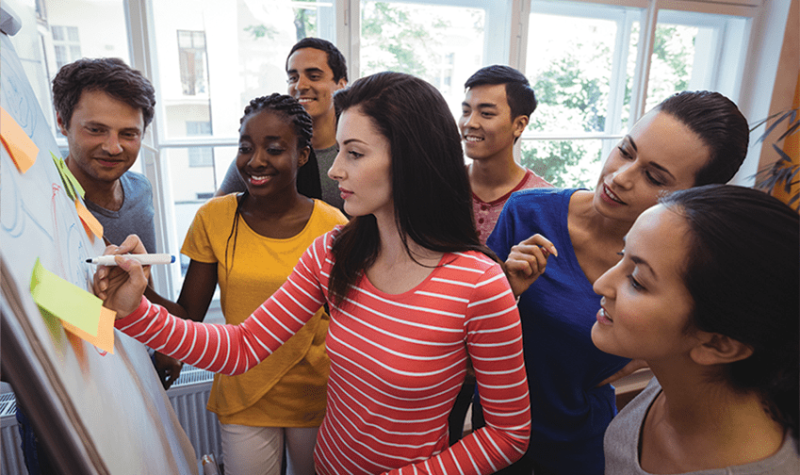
308	182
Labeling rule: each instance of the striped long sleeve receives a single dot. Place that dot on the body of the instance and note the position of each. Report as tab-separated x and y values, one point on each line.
397	363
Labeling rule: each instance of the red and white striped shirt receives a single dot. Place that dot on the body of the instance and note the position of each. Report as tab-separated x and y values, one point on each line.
397	362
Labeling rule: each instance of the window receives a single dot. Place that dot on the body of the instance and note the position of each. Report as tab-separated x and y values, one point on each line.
435	42
200	156
192	55
66	43
584	61
231	51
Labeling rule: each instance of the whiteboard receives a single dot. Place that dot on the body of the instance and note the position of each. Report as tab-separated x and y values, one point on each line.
97	413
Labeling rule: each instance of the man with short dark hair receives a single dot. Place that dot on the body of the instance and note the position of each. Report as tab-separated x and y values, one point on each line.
496	109
316	69
498	104
103	108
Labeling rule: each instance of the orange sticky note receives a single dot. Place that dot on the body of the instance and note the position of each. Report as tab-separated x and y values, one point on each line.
105	331
89	221
21	148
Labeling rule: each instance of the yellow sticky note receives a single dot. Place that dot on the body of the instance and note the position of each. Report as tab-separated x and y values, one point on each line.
105	332
21	148
65	300
89	221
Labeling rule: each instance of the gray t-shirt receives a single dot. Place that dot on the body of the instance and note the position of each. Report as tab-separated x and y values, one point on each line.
232	183
134	217
621	444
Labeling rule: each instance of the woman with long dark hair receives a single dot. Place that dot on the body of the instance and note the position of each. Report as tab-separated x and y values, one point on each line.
706	294
414	297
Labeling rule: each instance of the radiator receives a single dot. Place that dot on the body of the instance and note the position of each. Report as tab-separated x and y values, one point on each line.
188	396
11	460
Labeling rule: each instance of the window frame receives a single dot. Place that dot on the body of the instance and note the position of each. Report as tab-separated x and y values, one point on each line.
507	44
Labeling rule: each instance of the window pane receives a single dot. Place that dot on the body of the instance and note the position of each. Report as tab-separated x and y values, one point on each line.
73	33
227	52
569	63
564	163
58	33
83	29
671	63
581	59
694	51
441	44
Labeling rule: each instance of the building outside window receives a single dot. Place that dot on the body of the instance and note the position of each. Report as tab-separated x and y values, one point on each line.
192	54
66	43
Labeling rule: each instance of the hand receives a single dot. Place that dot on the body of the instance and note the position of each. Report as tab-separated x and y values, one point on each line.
629	368
168	369
121	286
527	261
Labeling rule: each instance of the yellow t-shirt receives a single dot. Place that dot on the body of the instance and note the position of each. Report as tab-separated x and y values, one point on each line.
288	389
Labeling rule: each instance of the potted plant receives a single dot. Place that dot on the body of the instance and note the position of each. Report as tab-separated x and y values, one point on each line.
782	176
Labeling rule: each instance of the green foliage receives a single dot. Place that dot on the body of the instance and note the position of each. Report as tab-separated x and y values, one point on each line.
261	31
562	163
784	172
305	25
669	49
573	96
410	44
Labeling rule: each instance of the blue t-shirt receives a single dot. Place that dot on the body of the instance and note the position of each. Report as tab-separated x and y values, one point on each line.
568	413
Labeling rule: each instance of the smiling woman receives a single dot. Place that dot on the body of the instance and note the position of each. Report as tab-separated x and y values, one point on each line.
690	139
716	318
249	244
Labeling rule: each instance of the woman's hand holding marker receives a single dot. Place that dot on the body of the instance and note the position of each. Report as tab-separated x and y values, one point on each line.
121	287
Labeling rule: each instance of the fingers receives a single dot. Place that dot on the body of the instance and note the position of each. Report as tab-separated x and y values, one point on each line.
134	270
132	245
541	241
528	260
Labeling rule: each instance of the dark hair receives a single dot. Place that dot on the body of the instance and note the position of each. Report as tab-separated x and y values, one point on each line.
110	75
336	59
308	182
519	92
743	273
430	187
721	127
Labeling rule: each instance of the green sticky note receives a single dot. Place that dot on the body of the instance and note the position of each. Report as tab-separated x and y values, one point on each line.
71	184
65	300
60	166
75	183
